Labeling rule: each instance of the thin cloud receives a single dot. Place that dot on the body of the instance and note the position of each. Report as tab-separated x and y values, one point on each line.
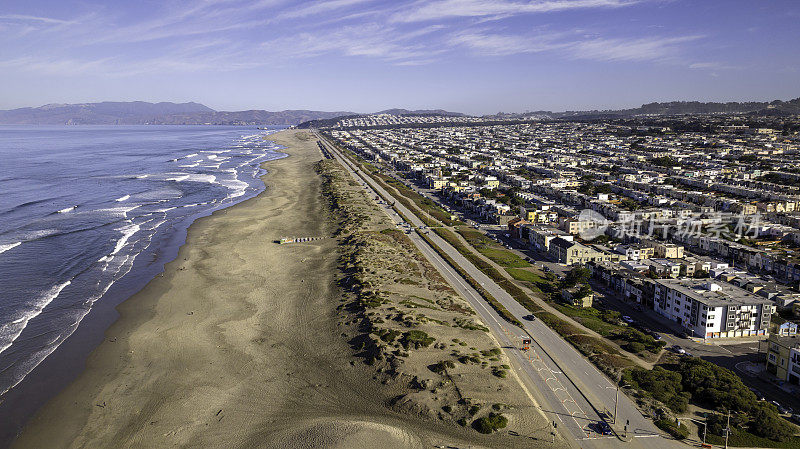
425	10
490	44
616	49
319	8
369	40
711	65
25	18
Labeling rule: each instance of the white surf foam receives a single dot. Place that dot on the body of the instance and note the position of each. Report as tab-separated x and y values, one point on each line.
4	248
122	198
237	186
122	210
68	209
9	332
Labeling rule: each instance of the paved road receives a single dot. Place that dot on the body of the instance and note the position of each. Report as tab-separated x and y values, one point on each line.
570	390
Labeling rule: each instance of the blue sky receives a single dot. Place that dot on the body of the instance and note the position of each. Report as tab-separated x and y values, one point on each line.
475	56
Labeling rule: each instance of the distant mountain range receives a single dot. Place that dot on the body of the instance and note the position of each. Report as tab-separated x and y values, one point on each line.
776	107
143	113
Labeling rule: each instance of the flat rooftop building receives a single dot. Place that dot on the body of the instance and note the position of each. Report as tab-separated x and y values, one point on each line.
712	309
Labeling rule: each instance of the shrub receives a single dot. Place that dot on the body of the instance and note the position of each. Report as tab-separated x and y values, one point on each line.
767	423
440	367
714	386
416	339
490	423
678	431
663	385
635	347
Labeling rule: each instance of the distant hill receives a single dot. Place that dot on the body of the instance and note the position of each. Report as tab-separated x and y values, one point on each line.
142	113
421	112
106	113
777	107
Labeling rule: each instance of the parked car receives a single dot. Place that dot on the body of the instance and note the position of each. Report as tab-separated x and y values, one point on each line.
603	428
683	335
627	319
678	349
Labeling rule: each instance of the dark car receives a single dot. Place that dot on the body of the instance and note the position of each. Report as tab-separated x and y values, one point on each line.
603	428
530	317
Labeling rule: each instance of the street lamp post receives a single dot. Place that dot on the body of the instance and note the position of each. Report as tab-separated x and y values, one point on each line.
727	429
616	399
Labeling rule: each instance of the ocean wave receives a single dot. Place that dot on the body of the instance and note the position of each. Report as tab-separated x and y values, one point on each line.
122	198
194	177
4	248
9	332
236	185
121	211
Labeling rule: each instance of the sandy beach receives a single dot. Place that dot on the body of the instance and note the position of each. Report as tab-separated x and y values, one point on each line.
236	344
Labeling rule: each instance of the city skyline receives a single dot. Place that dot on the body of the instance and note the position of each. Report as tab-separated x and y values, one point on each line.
471	56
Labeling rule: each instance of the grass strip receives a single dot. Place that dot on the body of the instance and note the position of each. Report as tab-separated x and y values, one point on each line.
496	305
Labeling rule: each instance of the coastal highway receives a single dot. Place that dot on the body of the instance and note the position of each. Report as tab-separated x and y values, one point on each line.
569	389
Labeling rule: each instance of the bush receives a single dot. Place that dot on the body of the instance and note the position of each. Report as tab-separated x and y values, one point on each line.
767	423
678	431
490	423
715	387
440	367
635	347
665	386
417	339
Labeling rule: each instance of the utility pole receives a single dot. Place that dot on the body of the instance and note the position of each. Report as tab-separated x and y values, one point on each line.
727	429
705	428
616	398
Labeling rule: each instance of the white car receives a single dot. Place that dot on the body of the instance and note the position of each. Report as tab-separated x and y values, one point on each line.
679	350
627	319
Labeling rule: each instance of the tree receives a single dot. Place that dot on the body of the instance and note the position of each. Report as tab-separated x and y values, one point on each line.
575	276
768	424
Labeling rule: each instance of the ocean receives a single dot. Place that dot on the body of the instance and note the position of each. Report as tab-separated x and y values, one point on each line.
85	210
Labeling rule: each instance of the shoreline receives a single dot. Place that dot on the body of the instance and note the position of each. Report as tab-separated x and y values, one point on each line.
237	343
69	360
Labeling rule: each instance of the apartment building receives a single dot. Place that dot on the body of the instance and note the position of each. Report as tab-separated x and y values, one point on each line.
712	309
569	252
783	357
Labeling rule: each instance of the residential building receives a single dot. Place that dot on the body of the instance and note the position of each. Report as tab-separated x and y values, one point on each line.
712	309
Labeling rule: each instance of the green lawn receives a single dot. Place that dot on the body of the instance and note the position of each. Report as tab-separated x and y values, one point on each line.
492	250
589	317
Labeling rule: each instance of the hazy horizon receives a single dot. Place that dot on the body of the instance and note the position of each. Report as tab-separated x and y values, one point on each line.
472	56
